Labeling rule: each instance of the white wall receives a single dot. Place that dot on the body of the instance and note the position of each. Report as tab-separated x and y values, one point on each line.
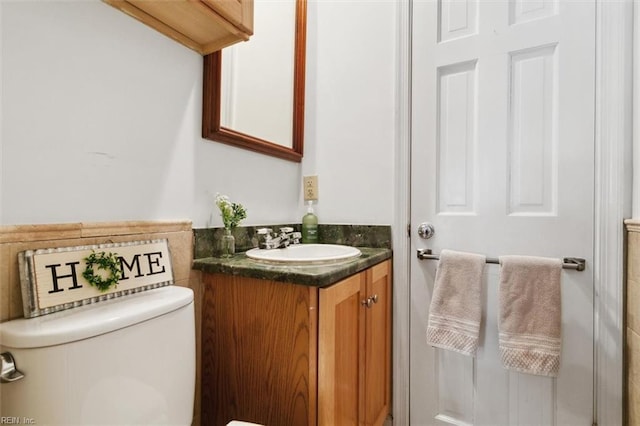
101	121
351	109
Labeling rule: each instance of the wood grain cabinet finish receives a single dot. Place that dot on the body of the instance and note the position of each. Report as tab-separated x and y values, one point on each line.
284	354
355	349
205	26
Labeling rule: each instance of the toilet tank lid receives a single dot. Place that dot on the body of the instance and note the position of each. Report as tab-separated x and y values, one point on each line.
94	319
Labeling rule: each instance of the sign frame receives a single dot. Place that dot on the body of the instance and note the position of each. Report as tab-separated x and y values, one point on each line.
51	279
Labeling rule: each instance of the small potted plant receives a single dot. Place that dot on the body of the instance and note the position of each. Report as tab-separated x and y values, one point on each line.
232	214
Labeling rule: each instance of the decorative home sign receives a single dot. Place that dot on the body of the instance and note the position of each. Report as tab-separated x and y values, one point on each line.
64	278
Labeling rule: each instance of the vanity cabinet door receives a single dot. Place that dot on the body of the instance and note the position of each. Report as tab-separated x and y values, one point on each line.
354	349
258	352
377	371
341	352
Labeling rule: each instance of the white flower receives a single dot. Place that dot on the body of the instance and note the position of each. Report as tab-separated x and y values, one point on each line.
232	213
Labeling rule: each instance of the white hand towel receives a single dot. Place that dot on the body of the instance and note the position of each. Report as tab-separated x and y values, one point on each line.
456	308
529	321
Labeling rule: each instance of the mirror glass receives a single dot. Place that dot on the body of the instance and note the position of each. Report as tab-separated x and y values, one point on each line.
254	91
257	77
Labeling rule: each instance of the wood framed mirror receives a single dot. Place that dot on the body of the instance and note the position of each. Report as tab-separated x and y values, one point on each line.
216	127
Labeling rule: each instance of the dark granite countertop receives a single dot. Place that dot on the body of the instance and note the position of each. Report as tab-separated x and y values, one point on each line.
312	275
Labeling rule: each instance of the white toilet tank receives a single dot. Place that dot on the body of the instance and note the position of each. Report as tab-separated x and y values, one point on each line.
126	361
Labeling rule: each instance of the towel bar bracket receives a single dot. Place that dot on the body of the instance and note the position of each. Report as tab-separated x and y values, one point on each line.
576	263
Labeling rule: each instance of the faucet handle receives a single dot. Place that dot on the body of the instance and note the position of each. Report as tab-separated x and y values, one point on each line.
264	238
295	237
286	230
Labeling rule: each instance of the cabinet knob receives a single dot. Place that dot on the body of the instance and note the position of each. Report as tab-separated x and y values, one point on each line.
369	301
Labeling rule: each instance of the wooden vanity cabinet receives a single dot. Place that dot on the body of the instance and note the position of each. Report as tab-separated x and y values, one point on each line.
285	354
205	26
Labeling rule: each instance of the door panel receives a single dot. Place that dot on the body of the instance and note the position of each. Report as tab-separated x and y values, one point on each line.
502	163
341	337
377	345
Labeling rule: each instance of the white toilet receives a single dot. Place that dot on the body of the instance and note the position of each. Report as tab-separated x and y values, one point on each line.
126	361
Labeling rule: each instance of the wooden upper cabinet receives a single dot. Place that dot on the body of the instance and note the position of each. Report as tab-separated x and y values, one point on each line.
205	26
238	11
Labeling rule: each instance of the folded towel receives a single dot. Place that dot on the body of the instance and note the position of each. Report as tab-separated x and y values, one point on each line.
530	314
456	307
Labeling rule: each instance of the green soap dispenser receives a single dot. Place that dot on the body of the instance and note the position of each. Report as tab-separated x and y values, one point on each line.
309	226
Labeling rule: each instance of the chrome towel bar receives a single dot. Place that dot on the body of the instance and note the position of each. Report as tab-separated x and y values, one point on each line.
567	263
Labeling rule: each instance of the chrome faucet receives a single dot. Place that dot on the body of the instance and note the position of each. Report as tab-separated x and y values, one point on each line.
287	236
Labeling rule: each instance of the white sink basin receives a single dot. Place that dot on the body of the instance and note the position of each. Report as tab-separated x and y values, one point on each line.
306	254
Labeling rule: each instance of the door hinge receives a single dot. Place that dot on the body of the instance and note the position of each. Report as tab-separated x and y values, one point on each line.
408	230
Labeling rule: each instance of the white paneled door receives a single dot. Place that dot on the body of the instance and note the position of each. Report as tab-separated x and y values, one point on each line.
502	163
